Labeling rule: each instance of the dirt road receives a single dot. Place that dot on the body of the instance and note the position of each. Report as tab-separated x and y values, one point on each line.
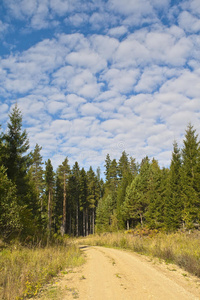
111	274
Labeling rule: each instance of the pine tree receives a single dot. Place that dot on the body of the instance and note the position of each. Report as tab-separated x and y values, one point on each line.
58	204
49	180
75	178
92	196
63	173
83	191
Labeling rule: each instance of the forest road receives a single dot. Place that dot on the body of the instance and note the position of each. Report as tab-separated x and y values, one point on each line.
111	274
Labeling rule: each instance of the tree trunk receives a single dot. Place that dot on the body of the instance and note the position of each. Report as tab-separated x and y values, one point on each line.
127	225
49	212
87	222
84	222
141	220
64	205
70	223
77	225
93	220
90	223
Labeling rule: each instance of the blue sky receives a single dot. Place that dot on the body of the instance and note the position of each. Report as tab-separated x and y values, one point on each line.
98	77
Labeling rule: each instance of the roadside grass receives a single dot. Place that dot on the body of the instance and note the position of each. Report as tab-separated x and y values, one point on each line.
180	248
24	271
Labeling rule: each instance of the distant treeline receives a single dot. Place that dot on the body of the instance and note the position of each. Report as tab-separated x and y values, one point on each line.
35	201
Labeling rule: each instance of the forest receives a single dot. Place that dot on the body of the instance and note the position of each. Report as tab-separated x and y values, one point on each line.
36	201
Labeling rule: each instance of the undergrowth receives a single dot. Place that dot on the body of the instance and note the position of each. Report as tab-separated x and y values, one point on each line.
25	270
180	248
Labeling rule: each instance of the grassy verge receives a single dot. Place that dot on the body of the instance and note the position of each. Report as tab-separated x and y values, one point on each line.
24	271
183	249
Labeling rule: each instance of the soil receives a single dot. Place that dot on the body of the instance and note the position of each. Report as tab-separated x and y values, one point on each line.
111	274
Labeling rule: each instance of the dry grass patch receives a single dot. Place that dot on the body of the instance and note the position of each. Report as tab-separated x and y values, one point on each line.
24	271
180	248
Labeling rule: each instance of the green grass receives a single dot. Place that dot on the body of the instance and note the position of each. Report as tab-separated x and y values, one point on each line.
182	249
24	271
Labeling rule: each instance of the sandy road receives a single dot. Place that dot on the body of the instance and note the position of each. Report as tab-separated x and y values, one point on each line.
111	274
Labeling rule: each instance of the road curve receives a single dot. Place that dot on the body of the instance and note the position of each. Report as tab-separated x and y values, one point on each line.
111	274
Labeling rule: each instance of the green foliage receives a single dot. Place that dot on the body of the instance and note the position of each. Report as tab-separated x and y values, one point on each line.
36	172
10	221
16	159
174	206
104	214
190	178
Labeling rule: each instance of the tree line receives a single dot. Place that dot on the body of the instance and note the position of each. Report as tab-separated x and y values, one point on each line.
146	195
36	201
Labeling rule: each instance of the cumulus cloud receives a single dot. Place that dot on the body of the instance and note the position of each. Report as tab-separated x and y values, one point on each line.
189	22
117	31
121	80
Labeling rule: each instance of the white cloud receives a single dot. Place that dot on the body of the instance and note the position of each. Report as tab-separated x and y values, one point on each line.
21	8
3	28
90	109
192	6
60	127
117	31
105	46
75	100
152	78
187	84
121	80
55	106
103	20
127	7
189	22
84	84
78	19
86	59
130	54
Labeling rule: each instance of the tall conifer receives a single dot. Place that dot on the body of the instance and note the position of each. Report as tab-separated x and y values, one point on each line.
190	176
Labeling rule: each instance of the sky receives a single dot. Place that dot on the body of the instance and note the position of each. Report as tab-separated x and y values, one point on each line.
98	77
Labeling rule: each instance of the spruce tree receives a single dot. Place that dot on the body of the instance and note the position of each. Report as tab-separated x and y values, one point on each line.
107	167
174	205
125	178
136	201
36	172
154	215
16	159
190	178
10	221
